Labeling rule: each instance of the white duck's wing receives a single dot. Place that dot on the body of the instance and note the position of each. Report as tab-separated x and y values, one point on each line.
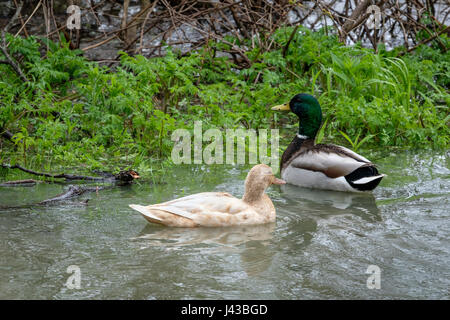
196	196
206	209
206	202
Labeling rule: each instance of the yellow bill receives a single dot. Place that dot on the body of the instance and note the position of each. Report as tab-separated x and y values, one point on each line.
282	107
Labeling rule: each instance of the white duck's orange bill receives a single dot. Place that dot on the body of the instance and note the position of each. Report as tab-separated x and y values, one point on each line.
278	181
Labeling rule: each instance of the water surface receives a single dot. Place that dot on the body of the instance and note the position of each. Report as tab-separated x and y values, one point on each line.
320	246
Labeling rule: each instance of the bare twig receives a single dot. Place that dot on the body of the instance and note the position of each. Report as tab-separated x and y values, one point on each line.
428	40
26	22
351	22
255	21
7	135
4	46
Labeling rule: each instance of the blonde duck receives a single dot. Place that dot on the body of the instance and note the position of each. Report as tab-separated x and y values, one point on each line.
218	209
322	166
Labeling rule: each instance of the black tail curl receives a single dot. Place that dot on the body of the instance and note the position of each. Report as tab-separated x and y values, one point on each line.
363	172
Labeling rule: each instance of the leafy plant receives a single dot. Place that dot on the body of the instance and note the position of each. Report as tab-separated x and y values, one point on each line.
354	143
74	112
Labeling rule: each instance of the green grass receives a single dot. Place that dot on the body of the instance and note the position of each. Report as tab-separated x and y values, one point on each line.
74	113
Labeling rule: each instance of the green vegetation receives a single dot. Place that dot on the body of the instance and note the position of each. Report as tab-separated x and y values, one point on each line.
74	113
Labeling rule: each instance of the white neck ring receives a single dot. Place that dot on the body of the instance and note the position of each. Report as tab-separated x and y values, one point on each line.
300	136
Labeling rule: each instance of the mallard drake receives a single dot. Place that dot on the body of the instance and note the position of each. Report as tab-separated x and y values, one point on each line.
322	166
218	209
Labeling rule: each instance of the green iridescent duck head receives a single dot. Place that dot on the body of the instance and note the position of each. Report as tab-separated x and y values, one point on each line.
308	110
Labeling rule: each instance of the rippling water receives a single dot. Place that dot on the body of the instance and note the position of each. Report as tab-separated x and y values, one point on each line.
320	246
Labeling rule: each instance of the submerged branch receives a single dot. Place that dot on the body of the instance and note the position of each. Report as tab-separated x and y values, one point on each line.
123	176
19	183
120	179
72	192
55	176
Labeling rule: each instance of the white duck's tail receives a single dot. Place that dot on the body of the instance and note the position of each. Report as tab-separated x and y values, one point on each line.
146	213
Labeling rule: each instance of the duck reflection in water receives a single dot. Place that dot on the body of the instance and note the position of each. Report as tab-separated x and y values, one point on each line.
257	245
223	236
329	203
252	243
